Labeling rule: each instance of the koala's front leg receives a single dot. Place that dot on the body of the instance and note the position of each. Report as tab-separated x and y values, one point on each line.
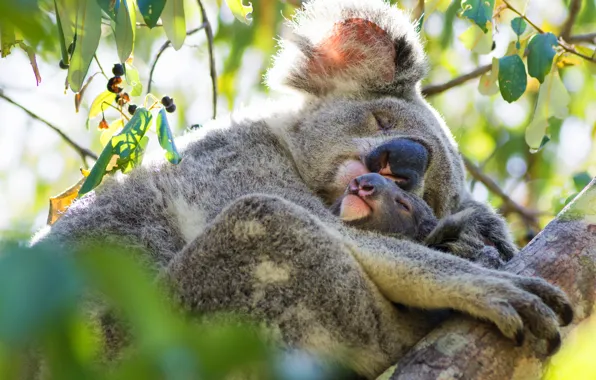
414	275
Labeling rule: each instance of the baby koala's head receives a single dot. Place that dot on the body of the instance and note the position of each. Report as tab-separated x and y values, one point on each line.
373	202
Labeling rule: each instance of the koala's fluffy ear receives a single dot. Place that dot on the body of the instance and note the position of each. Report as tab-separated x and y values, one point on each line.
349	47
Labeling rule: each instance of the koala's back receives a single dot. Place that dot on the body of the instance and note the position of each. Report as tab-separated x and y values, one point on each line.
159	207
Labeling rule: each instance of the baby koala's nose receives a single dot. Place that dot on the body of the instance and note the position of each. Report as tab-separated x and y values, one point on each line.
366	185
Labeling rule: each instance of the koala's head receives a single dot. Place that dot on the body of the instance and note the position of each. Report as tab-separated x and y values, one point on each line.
373	202
358	65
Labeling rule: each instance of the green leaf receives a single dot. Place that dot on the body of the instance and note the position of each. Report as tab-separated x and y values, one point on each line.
151	10
581	180
110	7
172	18
553	101
125	29
476	40
240	11
132	78
88	30
98	171
63	47
540	55
98	103
67	11
512	77
7	38
164	134
420	23
518	25
479	11
129	144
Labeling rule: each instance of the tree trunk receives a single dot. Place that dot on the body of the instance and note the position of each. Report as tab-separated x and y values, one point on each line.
462	348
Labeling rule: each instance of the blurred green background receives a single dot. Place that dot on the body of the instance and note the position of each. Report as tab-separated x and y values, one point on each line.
36	163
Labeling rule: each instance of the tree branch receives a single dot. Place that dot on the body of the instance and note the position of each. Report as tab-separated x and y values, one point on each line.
574	8
83	152
209	34
163	47
529	216
431	90
578	38
462	348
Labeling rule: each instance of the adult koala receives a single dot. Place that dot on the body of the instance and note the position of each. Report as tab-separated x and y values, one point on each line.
242	223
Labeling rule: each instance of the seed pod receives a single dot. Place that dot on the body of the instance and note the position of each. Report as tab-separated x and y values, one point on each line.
63	65
132	108
171	108
114	84
118	70
167	101
103	124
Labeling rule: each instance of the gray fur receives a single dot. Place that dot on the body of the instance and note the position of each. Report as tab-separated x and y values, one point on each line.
242	223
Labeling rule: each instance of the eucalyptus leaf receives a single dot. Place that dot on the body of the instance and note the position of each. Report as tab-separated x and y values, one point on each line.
512	77
151	10
125	29
541	51
166	140
174	22
479	11
88	30
518	25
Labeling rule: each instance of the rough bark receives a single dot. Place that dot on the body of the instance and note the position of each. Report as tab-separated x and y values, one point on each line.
462	348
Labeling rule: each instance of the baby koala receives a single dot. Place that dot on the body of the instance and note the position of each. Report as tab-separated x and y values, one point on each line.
373	202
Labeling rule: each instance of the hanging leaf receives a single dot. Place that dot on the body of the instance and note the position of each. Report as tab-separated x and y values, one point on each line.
125	29
66	10
174	23
98	171
31	55
98	103
133	79
241	11
79	95
518	25
488	81
127	147
479	11
164	134
553	101
512	77
540	55
129	144
151	10
88	30
476	40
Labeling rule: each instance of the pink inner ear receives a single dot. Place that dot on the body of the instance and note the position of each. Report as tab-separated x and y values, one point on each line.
354	43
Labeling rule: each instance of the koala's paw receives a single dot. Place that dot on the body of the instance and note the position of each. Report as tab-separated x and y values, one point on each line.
516	302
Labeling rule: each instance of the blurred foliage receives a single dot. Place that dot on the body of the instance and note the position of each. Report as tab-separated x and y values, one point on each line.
529	122
49	319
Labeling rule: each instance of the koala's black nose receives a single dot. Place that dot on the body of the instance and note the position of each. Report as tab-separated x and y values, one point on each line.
367	184
402	160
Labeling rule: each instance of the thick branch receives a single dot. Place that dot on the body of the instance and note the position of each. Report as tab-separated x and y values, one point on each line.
209	34
83	152
463	348
527	215
163	47
574	8
431	90
579	38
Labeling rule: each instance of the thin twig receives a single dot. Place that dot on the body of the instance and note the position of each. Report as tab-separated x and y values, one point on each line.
524	17
100	68
163	47
578	38
83	152
209	34
435	89
529	216
574	8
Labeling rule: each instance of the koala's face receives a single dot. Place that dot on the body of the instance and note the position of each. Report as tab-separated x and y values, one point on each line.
373	202
400	139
